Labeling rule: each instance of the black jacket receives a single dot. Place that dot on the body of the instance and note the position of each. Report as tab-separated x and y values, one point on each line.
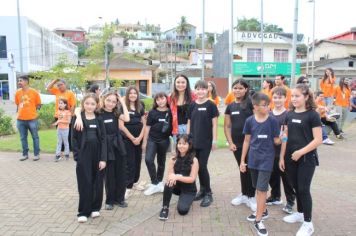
78	138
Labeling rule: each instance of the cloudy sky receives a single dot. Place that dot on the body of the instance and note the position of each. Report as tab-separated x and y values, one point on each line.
332	17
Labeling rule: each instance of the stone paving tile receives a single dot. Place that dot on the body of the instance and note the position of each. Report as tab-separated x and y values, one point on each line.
40	198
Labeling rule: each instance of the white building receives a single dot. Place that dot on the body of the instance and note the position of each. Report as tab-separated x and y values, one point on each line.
41	50
196	58
137	45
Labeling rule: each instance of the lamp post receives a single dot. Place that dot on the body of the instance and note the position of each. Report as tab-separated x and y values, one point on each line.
106	57
231	44
20	37
294	48
313	46
203	45
262	45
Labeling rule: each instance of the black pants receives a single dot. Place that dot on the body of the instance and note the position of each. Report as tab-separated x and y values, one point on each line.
204	177
245	178
300	174
332	125
90	180
275	183
115	179
153	148
185	199
134	157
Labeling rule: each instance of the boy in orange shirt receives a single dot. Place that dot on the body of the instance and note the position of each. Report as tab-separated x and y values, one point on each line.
28	101
64	117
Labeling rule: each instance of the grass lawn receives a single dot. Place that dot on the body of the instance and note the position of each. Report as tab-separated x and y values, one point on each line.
48	140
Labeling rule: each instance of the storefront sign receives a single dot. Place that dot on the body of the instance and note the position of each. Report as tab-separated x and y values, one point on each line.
269	68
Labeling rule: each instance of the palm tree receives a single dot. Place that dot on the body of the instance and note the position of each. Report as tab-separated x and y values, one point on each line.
183	26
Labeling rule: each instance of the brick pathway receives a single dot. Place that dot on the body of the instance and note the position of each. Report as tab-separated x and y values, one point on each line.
40	198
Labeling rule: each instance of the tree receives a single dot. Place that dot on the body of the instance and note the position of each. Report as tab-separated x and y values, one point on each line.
81	50
302	49
183	26
253	24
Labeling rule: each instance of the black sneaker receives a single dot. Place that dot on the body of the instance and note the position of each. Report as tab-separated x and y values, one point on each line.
288	208
273	201
122	204
260	228
207	200
163	215
200	195
57	158
109	207
252	217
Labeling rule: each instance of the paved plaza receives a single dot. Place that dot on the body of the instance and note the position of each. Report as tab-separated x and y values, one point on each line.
40	198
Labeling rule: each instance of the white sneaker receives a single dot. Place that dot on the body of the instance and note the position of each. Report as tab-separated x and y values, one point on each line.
95	214
128	193
306	229
152	188
82	219
293	218
138	186
252	204
161	186
240	199
328	142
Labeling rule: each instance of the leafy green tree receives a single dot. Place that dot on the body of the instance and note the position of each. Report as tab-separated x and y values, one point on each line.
253	24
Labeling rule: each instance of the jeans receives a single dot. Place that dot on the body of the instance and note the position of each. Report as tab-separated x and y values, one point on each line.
324	133
62	138
153	148
344	111
182	129
329	101
23	126
332	125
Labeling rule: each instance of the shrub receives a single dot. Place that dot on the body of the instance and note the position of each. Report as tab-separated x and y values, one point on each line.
148	103
6	126
46	116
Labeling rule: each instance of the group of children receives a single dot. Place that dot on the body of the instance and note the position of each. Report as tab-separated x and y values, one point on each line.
110	134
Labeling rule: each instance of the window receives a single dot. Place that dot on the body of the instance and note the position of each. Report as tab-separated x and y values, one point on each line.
3	49
253	55
351	63
280	55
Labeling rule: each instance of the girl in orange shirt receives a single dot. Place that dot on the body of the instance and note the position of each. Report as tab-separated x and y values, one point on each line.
267	87
212	94
327	86
342	101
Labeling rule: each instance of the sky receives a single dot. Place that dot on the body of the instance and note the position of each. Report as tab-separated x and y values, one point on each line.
331	16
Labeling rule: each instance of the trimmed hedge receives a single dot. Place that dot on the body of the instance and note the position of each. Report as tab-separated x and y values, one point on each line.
6	126
46	116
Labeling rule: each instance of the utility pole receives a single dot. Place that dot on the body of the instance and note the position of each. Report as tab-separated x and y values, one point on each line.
307	68
20	35
107	66
262	45
294	48
231	45
315	82
203	45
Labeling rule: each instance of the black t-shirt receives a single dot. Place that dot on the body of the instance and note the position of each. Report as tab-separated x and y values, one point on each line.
182	113
238	115
156	119
135	125
300	126
281	118
201	124
110	122
92	131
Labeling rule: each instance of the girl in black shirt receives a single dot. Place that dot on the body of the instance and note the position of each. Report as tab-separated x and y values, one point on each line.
202	126
90	153
304	135
236	114
133	135
182	172
156	141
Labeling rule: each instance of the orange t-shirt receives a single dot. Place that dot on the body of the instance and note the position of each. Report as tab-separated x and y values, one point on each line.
229	98
216	100
321	109
69	95
27	102
288	97
342	98
64	117
328	88
268	92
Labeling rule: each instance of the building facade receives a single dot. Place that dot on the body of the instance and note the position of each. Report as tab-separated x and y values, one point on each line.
250	62
75	36
41	50
183	42
139	46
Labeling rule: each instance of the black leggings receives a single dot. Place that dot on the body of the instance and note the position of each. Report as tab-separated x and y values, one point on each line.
275	183
246	182
153	148
300	174
332	125
204	177
115	179
134	157
185	198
